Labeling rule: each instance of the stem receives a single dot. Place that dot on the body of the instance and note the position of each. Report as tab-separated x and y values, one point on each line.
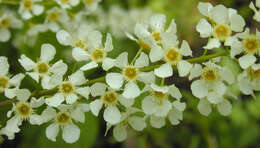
162	81
136	56
207	57
9	2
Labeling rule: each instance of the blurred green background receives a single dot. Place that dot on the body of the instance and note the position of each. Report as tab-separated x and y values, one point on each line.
239	130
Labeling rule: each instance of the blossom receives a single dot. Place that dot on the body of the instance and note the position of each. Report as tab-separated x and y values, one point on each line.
157	103
64	119
210	88
109	98
254	8
129	119
8	21
28	8
130	73
249	80
8	84
67	4
42	69
23	110
69	90
249	44
91	5
223	22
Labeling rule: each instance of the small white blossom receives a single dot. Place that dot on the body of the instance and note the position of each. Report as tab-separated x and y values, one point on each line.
255	8
67	4
28	8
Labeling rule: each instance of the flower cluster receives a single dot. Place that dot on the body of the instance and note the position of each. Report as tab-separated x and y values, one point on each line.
133	92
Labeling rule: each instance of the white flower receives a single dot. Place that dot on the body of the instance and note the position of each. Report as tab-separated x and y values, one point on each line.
108	98
8	21
223	22
211	86
248	44
249	80
256	10
130	73
69	90
91	5
128	119
172	55
8	84
28	8
42	69
68	4
157	103
23	110
55	18
64	119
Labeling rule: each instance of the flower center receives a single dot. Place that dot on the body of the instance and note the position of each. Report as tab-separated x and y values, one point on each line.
98	55
67	88
159	95
253	74
43	68
130	73
24	110
80	44
63	118
156	36
251	44
28	4
210	75
222	32
53	16
110	97
89	2
5	23
172	56
144	45
3	83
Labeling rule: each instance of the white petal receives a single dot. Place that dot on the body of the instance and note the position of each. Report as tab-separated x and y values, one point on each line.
163	109
108	44
247	60
174	116
236	48
126	102
98	89
26	14
227	75
22	94
96	39
83	91
78	115
122	60
16	80
137	123
95	106
204	8
156	53
10	93
204	28
89	66
5	35
237	23
74	2
112	115
55	101
157	122
120	133
131	90
175	92
47	52
48	114
199	89
72	98
37	9
35	119
52	131
163	89
172	27
148	105
27	63
245	86
180	106
79	54
77	78
142	61
184	68
131	37
212	43
164	71
114	80
157	22
70	133
34	75
64	38
204	107
224	107
185	49
195	71
59	68
219	14
108	63
35	103
4	66
146	77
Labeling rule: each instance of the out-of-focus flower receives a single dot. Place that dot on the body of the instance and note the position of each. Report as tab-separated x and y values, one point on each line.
28	8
